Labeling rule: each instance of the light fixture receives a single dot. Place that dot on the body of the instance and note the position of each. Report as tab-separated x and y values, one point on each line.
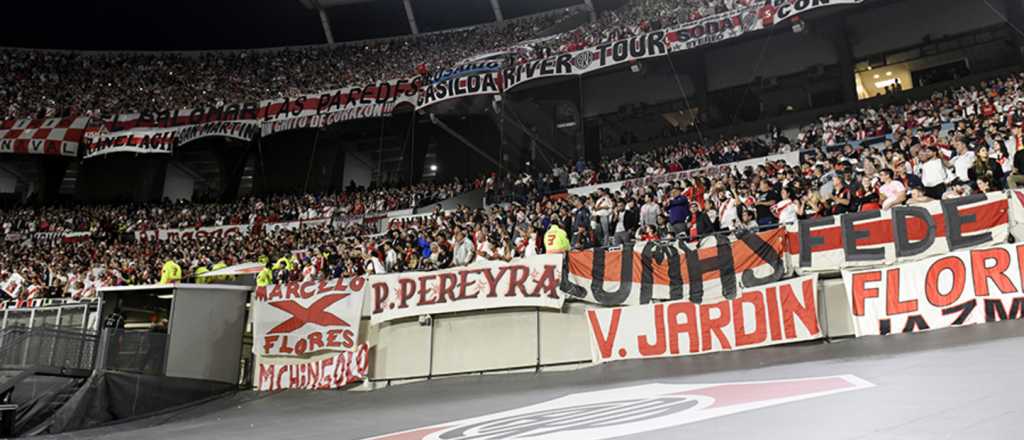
876	76
433	168
888	73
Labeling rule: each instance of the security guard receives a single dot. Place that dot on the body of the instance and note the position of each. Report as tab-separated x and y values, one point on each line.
200	279
171	273
265	277
555	240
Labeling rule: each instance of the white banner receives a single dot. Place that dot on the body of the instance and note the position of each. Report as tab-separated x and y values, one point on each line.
201	233
778	313
327	371
271	228
901	234
297	319
961	288
791	158
164	140
526	282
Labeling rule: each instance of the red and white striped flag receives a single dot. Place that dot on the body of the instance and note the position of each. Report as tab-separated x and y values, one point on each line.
54	136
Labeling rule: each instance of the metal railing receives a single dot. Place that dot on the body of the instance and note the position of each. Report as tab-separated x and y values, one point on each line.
47	347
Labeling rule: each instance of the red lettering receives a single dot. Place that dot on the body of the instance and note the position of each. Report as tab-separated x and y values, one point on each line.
604	343
931	281
739	319
380	297
268	343
860	291
446	283
406	290
893	305
293	291
689	312
804	310
997	273
492	280
316	341
774	326
659	346
306	289
517	280
713	326
424	291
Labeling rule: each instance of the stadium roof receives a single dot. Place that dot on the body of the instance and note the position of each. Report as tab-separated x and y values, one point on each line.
236	24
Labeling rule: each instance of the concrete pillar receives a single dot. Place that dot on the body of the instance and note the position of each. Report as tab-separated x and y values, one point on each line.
411	16
327	27
497	11
593	12
834	28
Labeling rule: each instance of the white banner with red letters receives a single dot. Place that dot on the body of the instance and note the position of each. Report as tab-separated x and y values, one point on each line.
328	371
778	313
301	318
525	282
901	234
961	288
53	136
306	334
200	233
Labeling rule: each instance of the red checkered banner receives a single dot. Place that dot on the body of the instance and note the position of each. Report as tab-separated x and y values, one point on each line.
53	136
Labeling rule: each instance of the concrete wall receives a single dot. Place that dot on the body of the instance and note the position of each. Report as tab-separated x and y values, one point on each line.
7	182
178	184
518	339
907	23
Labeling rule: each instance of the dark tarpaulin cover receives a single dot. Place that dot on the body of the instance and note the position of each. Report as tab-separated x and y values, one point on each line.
112	396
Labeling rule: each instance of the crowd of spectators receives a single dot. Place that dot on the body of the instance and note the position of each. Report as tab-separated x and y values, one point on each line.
59	83
957	142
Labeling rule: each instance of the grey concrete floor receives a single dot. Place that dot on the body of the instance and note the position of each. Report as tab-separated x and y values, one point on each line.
964	383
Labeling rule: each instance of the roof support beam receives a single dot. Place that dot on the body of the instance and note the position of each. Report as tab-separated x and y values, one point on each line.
497	11
411	16
327	26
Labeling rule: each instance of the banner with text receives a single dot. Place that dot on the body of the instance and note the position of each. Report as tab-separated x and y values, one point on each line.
297	319
53	136
901	234
526	282
328	371
347	103
637	273
201	233
165	140
773	314
791	158
962	288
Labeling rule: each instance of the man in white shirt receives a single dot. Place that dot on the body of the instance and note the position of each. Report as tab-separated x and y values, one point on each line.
962	162
933	173
464	253
649	212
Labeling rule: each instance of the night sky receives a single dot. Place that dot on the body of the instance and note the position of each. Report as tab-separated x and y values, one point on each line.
231	24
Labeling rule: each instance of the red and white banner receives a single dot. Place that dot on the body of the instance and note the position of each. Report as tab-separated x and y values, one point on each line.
297	319
54	136
165	140
792	158
774	314
638	273
901	234
272	228
327	371
961	288
526	282
201	233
